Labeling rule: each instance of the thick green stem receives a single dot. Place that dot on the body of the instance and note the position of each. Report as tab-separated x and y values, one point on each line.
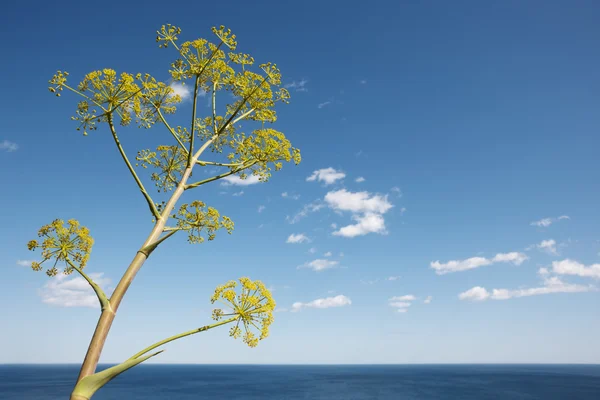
179	336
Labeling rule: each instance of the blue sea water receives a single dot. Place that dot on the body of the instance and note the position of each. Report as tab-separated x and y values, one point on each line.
331	382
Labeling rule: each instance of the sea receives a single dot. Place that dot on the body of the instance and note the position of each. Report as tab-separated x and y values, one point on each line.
294	382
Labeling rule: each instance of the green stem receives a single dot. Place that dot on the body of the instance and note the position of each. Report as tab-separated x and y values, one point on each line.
104	302
223	175
204	163
179	336
192	129
151	205
150	248
164	121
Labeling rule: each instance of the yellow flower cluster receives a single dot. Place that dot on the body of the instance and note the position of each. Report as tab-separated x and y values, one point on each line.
253	308
265	146
201	219
167	34
171	161
72	242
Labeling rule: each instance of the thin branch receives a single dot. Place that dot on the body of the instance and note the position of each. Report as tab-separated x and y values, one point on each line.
151	205
192	129
223	175
203	163
150	248
104	302
179	336
164	121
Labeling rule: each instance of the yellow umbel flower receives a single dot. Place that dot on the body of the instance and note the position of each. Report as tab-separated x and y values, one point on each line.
253	309
72	242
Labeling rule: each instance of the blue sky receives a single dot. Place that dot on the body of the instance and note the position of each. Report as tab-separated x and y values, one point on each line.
445	210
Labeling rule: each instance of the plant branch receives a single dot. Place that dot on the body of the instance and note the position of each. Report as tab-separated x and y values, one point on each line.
223	175
89	385
164	121
179	336
104	302
151	205
192	129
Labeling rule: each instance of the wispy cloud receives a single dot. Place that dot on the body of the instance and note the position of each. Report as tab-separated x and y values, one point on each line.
261	208
551	285
326	175
367	211
75	292
546	222
286	195
236	180
393	278
359	179
307	209
401	302
24	263
428	299
321	105
237	194
320	264
328	302
327	254
476	262
298	86
548	246
8	146
397	190
297	238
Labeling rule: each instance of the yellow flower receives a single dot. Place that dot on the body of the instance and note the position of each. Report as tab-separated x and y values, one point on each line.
253	309
72	242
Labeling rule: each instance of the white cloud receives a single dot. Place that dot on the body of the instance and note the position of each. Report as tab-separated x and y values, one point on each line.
408	297
24	263
397	190
286	195
333	225
280	309
393	278
476	293
328	302
237	194
570	267
236	180
320	264
321	105
401	302
183	90
312	250
549	246
8	146
299	86
367	211
307	209
327	175
357	202
261	208
360	179
368	223
476	262
551	285
297	238
328	254
546	222
428	299
76	292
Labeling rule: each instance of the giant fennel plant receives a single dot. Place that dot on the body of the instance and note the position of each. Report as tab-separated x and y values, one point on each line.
112	99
